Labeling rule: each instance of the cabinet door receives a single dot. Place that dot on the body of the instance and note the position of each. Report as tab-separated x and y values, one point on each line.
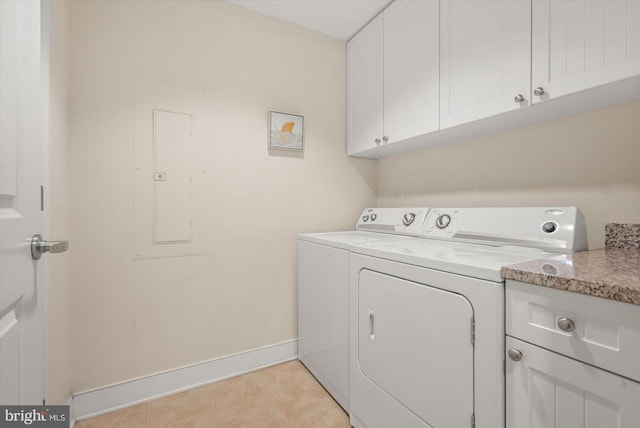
582	44
548	390
411	69
485	58
364	82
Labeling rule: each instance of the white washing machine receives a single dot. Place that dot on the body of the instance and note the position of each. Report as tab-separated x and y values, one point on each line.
323	290
427	316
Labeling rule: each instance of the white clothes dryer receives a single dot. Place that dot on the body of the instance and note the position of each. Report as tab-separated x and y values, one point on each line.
323	290
427	316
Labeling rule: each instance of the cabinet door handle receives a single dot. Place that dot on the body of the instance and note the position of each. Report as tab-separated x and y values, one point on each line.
372	326
515	354
518	98
538	91
565	324
377	140
385	138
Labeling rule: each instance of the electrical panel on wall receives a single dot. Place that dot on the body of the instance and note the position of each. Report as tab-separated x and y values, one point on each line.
172	177
165	189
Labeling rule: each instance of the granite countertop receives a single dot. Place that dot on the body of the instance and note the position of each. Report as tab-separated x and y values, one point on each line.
612	272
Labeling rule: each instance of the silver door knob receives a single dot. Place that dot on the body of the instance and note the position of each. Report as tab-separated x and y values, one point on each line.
377	140
565	324
385	138
538	91
518	98
39	246
515	354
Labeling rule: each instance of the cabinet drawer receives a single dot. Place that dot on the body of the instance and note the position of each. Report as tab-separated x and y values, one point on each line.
605	333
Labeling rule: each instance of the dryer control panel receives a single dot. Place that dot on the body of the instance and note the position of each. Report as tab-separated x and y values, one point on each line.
555	229
401	221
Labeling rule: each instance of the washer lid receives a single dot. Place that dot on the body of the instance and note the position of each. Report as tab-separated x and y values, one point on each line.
476	261
348	238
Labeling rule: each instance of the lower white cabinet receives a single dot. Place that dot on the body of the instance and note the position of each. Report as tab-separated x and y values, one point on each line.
571	360
549	390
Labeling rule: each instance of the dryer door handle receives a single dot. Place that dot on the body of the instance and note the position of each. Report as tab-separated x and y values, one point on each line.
372	326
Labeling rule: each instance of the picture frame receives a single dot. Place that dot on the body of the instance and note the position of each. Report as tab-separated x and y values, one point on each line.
286	131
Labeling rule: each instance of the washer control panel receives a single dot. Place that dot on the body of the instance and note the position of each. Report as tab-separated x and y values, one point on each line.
402	221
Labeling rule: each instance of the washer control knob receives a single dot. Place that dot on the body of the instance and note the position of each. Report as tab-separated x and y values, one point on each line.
550	227
443	221
408	218
365	218
565	324
515	354
374	217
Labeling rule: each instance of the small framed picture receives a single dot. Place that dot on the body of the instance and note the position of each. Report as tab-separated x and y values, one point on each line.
286	131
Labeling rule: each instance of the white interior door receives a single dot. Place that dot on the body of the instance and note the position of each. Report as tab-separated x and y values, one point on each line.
22	331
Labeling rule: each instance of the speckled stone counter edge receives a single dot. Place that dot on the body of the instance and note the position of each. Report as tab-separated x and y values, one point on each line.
622	235
594	288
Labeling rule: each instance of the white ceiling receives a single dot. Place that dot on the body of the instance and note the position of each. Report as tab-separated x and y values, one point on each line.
338	18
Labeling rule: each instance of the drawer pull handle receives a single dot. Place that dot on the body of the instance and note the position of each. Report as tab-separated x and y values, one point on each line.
515	354
565	324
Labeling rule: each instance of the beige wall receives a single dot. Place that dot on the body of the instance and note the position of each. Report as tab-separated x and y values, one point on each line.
132	318
590	160
59	370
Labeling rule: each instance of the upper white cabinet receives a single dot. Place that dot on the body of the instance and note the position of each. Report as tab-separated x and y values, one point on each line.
583	44
364	86
469	67
485	58
411	35
393	77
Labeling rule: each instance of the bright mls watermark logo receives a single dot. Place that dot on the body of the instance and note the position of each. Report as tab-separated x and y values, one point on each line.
34	416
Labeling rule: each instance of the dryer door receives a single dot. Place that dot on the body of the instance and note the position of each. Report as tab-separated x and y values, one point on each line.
415	343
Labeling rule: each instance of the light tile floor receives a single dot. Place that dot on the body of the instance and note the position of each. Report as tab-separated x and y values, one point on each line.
285	395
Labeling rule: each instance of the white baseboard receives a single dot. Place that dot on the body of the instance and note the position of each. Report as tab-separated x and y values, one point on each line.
103	400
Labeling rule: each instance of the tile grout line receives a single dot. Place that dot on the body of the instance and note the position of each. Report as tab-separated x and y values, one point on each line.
308	417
